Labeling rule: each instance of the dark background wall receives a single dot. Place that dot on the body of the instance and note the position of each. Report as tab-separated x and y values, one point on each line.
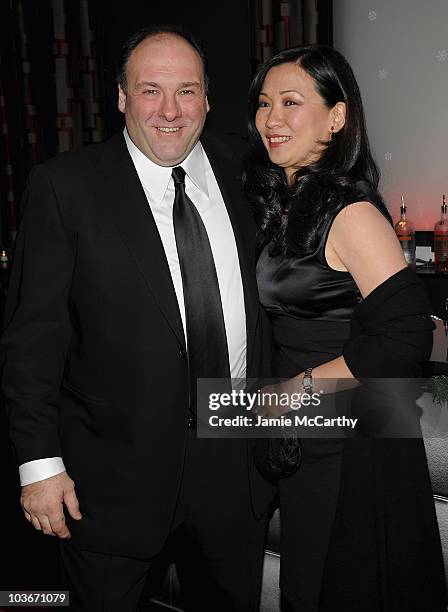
58	63
222	27
38	38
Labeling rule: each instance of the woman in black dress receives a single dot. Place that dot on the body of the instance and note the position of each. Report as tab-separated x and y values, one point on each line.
358	525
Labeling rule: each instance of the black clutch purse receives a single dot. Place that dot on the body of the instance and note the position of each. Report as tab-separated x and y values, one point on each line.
279	456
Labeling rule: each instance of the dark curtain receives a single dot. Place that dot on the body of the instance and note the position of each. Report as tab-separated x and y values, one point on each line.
281	24
50	97
58	57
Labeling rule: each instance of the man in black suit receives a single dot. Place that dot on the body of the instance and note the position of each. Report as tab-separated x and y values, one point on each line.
133	276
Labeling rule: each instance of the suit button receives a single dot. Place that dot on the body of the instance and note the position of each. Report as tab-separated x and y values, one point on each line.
182	353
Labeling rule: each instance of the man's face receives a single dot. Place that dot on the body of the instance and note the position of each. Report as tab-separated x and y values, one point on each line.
165	104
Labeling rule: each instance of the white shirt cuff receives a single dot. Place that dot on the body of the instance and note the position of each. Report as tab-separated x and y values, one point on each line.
39	469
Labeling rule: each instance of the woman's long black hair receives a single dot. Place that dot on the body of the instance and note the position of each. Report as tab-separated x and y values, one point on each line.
292	216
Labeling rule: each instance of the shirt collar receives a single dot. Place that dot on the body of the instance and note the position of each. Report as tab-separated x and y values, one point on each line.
156	178
194	166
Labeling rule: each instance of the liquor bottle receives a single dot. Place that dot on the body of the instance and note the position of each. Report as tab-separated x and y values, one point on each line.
406	235
4	270
441	240
4	259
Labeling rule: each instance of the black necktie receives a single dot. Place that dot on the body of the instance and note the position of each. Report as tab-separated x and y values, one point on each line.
208	355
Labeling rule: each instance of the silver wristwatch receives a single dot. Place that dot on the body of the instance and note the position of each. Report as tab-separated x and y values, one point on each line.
307	381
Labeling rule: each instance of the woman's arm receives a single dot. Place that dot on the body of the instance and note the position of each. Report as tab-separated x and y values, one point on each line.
394	330
362	242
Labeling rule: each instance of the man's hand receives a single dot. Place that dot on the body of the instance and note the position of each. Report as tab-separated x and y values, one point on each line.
43	504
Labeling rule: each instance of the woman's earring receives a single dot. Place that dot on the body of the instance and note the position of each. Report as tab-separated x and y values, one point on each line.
331	133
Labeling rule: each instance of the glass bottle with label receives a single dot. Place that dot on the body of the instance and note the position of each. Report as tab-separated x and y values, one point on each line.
406	235
4	259
441	240
4	270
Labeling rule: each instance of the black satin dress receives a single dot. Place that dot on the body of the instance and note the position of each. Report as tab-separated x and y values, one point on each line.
332	509
310	307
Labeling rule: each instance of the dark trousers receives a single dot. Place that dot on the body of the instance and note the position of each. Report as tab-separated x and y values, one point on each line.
215	542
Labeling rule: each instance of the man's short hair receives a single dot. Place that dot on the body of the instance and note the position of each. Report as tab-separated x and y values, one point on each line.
133	41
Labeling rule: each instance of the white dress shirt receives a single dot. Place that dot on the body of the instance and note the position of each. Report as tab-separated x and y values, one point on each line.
202	188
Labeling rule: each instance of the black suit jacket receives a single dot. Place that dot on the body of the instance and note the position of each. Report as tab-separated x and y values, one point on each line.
95	358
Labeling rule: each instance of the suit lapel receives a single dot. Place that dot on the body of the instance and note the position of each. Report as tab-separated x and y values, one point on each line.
126	203
228	176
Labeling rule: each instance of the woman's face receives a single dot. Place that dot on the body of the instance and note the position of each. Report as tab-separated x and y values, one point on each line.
292	118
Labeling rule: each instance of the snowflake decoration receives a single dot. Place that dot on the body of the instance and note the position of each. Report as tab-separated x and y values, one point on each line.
372	16
382	74
442	55
388	156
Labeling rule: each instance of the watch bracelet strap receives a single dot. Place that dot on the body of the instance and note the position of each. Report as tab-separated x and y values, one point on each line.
307	382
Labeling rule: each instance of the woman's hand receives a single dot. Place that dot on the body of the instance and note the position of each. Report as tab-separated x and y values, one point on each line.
277	399
283	397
